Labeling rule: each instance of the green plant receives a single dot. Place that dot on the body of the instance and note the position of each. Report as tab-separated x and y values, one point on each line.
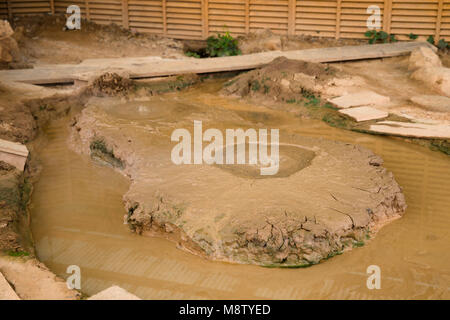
379	36
255	86
222	45
358	244
18	253
192	54
442	44
392	38
413	36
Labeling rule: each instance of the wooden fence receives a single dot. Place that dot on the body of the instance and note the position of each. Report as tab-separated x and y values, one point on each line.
197	19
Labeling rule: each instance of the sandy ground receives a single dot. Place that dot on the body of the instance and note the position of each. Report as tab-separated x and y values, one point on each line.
390	77
31	280
42	40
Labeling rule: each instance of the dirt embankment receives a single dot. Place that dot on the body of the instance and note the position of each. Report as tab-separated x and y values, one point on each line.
306	87
21	119
24	111
266	40
42	40
284	80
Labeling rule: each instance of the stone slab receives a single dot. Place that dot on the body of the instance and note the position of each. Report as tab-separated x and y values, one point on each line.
433	102
416	130
364	113
6	292
114	293
362	98
13	153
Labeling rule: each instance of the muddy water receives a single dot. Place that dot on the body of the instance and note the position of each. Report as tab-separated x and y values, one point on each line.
77	219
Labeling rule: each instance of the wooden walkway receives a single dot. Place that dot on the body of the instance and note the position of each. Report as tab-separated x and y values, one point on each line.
147	67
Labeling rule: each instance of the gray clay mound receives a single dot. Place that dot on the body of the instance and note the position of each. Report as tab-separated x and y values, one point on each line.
326	197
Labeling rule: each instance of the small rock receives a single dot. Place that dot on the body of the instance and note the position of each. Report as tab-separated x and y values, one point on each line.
437	78
114	293
423	57
433	102
5	29
285	83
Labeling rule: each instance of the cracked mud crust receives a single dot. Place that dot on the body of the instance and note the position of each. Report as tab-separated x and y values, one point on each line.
335	200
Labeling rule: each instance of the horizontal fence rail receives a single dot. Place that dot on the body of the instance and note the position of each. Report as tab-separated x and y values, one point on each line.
197	19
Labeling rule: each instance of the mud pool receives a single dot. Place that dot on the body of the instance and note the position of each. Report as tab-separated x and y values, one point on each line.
77	219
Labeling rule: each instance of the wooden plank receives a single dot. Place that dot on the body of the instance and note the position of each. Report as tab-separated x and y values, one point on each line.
387	16
338	18
205	30
247	16
88	10
52	6
125	18
10	10
291	16
13	153
437	33
152	66
164	15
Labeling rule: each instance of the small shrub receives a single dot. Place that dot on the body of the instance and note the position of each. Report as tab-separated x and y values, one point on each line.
255	86
222	45
413	36
379	36
192	54
18	253
442	44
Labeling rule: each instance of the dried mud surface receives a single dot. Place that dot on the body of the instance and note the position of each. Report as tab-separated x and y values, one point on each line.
296	218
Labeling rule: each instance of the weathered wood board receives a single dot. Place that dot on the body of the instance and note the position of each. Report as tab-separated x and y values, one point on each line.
13	153
147	67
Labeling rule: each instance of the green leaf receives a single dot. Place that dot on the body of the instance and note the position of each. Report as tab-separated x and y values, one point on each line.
442	44
369	33
383	35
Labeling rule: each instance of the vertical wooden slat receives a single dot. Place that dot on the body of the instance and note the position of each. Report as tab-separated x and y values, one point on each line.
125	19
437	34
164	14
387	16
10	10
338	18
52	6
291	17
88	13
247	16
205	15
